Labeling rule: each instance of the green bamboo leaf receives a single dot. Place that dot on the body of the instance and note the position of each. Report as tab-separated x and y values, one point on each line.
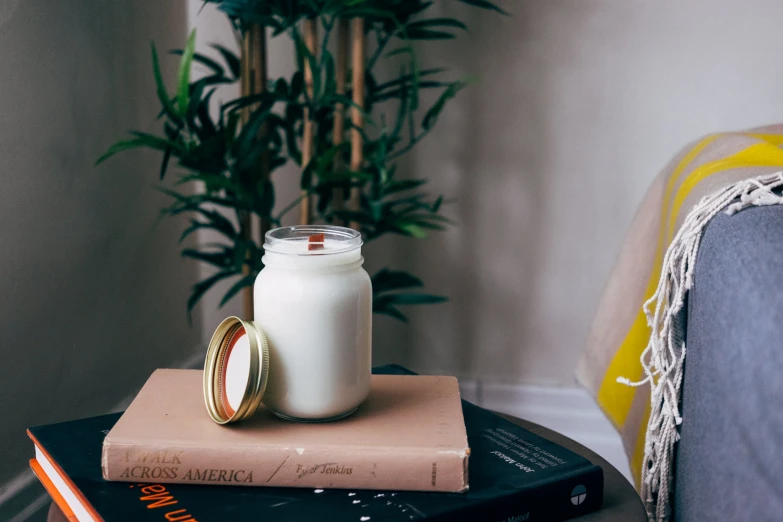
436	22
430	225
207	155
251	99
276	162
236	287
484	4
402	185
330	85
413	8
333	176
214	183
427	34
400	50
156	141
394	136
407	78
297	86
218	222
306	180
386	280
351	215
191	203
163	95
325	166
208	127
331	99
194	226
183	78
195	92
266	199
325	195
231	59
389	310
291	134
171	132
206	61
415	75
368	12
429	216
410	299
411	229
119	147
164	165
402	92
281	89
431	116
219	259
215	221
376	210
248	147
200	288
141	140
304	54
242	252
181	198
216	80
438	202
232	124
404	207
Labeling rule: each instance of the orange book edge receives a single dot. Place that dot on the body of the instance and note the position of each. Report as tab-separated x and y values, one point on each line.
52	490
75	490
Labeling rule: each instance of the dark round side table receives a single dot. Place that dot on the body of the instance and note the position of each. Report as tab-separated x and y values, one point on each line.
621	502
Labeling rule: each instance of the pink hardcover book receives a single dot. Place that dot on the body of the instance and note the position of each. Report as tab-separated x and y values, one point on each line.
408	435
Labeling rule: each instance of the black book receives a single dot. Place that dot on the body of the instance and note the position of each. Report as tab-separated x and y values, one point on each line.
514	476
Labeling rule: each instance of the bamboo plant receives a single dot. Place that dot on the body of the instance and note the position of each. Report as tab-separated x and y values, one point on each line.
343	127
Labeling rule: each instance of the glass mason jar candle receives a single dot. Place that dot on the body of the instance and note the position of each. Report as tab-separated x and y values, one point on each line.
313	303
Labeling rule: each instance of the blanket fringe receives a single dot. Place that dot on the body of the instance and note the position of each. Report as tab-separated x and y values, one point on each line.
664	357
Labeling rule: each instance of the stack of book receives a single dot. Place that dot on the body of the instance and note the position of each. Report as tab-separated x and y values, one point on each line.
402	456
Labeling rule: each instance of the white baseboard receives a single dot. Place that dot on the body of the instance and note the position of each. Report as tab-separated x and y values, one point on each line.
567	410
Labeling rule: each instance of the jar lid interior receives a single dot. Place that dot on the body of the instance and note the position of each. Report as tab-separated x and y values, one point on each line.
235	371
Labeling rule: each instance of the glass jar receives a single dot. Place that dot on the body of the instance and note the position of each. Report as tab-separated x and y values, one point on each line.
313	301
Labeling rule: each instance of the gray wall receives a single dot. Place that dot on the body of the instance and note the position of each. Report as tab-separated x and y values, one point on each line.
580	103
92	286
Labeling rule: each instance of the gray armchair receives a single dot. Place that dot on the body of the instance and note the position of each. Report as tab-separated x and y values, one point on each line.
729	463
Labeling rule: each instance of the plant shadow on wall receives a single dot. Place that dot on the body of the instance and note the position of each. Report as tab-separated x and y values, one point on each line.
340	124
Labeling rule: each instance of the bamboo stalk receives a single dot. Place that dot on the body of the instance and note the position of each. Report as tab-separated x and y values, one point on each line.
253	79
357	120
310	31
343	33
259	86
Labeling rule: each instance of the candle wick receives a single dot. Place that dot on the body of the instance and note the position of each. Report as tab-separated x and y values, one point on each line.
316	242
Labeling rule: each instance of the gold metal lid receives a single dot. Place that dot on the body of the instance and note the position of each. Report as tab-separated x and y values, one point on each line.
216	367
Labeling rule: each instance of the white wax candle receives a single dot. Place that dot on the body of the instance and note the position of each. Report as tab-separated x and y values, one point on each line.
315	308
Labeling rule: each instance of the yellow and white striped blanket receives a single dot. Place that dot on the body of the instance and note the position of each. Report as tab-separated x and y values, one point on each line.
711	171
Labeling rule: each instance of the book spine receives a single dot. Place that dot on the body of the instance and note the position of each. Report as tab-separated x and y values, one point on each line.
376	468
562	499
